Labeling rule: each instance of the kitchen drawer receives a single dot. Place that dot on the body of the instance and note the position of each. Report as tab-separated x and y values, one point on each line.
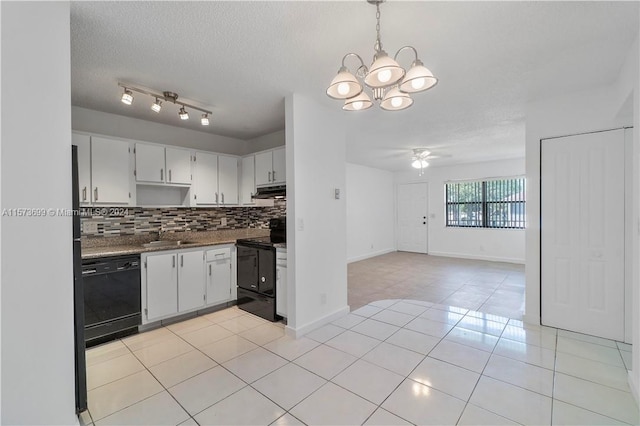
218	254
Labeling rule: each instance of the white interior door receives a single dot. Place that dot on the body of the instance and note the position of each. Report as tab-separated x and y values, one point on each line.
582	233
412	217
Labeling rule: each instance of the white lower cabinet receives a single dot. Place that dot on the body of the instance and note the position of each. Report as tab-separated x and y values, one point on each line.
281	282
219	276
159	286
190	280
180	281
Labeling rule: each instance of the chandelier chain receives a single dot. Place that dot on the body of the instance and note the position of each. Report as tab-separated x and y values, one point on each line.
378	42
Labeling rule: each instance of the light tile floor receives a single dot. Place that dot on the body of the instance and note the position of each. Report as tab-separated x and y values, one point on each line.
492	287
388	362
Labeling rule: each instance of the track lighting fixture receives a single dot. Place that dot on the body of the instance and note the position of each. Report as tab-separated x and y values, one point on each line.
127	99
157	106
390	84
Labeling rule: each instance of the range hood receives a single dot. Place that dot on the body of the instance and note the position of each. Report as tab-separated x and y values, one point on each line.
278	191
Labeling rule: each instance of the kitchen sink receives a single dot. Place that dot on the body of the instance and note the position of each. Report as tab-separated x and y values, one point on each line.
166	243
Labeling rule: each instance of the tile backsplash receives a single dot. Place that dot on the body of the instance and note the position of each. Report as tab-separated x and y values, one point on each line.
105	222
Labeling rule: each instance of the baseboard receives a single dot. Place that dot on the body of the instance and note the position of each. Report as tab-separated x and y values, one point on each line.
477	257
370	255
634	386
330	317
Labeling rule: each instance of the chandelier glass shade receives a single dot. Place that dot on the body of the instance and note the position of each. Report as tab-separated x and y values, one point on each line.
389	82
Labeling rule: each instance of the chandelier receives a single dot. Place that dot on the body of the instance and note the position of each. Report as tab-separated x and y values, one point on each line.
156	106
390	84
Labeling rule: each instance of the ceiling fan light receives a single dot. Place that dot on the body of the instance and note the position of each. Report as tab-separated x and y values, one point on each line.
358	103
204	120
384	71
419	164
396	100
127	97
157	106
184	115
344	85
418	78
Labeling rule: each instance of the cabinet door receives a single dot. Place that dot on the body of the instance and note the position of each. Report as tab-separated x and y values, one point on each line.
206	178
161	286
83	142
264	168
281	291
110	171
218	281
190	280
150	163
178	166
248	185
228	179
279	166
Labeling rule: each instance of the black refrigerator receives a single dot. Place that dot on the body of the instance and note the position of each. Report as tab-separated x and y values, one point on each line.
78	291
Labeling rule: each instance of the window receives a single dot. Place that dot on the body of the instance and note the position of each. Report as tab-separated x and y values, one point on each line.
498	203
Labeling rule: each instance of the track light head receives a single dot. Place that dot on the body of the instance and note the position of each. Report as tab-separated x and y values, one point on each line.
157	106
184	115
204	120
127	97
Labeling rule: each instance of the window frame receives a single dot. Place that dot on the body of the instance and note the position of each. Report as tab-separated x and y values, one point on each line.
484	221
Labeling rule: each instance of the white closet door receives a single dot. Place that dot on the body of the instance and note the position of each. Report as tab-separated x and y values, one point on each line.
412	217
582	233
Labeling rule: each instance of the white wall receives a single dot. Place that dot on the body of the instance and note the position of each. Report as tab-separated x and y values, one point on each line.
103	123
370	199
316	225
37	275
505	245
261	143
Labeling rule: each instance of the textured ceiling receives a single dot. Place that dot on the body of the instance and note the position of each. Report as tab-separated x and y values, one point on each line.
240	59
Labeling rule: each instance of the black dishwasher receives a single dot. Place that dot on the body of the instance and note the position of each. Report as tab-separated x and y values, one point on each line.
111	297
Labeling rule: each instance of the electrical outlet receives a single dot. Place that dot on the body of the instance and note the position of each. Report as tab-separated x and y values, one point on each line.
300	224
223	221
323	298
89	227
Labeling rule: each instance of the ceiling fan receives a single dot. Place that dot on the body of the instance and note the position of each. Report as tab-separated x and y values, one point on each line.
420	157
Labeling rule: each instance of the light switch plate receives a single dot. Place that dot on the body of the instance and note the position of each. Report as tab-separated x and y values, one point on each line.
337	193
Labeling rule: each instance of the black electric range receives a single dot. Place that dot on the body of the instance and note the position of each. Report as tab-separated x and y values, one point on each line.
257	271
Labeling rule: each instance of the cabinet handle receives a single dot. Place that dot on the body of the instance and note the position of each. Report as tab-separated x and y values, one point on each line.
223	198
161	174
274	175
216	198
209	269
269	176
182	261
169	175
84	194
95	194
173	261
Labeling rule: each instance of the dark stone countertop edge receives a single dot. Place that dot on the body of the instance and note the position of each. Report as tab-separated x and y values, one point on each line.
96	252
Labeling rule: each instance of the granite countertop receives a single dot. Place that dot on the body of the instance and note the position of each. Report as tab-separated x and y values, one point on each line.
132	244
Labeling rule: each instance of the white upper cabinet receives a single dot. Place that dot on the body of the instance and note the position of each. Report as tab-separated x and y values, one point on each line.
178	166
270	167
279	166
83	142
248	183
150	165
110	171
157	164
264	168
227	180
206	179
